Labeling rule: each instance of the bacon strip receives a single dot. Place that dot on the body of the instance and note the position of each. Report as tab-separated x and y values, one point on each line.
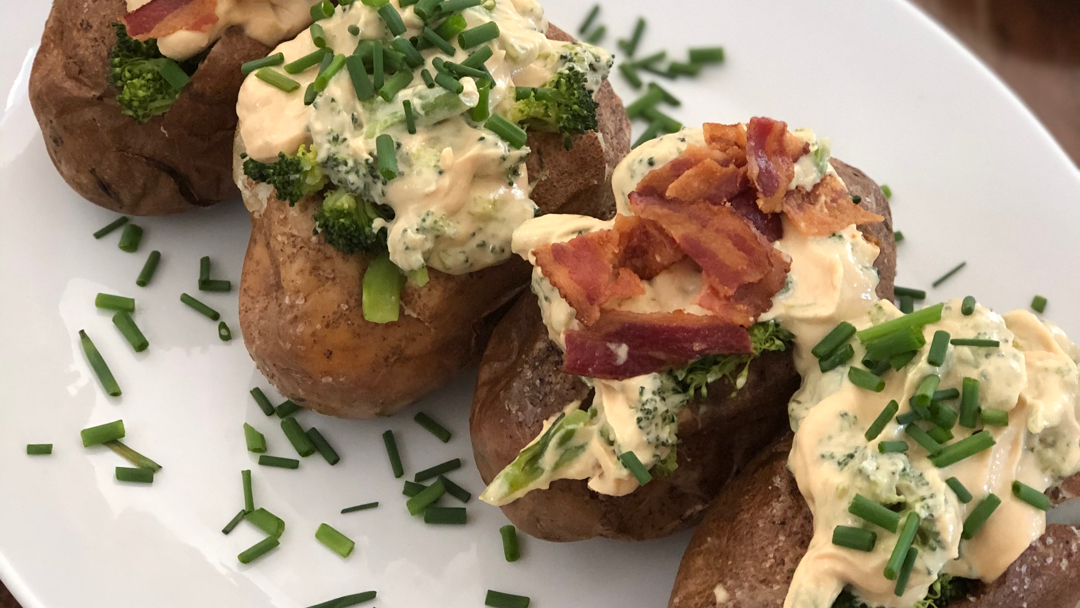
771	153
659	179
729	139
826	209
583	270
626	344
644	247
159	18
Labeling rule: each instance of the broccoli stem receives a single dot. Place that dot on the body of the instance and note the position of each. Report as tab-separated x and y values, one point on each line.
382	286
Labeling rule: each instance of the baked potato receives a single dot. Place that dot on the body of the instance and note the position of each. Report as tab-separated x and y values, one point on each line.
173	162
301	299
522	384
745	551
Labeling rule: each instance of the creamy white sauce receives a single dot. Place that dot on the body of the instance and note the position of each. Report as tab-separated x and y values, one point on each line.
814	165
461	190
646	157
268	21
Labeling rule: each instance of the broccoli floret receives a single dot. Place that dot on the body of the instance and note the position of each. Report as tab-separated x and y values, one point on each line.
346	223
563	105
148	81
945	590
293	177
696	377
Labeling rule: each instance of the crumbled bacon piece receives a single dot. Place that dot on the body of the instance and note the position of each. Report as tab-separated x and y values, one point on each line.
626	344
583	270
659	179
729	139
159	18
771	152
708	181
644	247
826	209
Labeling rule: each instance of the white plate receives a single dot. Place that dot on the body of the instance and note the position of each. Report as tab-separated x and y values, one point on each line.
975	178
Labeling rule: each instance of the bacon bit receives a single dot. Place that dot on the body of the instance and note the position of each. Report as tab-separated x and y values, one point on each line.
159	18
658	180
644	248
771	154
583	270
708	181
729	139
626	344
768	224
826	209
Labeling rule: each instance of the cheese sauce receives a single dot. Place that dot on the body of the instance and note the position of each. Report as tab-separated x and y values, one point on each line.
461	190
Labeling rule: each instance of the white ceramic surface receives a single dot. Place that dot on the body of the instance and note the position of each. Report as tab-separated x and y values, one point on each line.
975	178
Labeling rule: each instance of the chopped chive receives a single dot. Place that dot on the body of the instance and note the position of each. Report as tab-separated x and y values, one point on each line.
886	190
994	417
978	516
332	539
454	6
958	488
235	521
909	417
266	521
325	61
903	544
876	367
854	538
1030	495
438	41
223	332
968	446
947	275
97	363
432	427
631	462
684	69
413	58
707	55
452	26
907	304
277	80
921	438
874	513
392	19
630	45
898	362
39	449
865	379
111	302
461	71
412	488
118	222
267	544
924	393
286	408
839	357
428	80
478	35
359	76
318	36
200	308
394	85
667	123
905	571
478	58
898	236
631	75
323	446
882	419
306	62
947	394
346	601
650	99
131	455
668	97
510	543
943	416
426	9
173	74
449	83
967	306
256	441
262	401
363	507
597	35
916	294
498	599
653	59
425	498
439	469
969	403
455	490
892	447
907	339
327	74
148	269
123	321
975	342
445	515
299	440
386	151
249	496
650	133
276	461
204	268
321	10
392	452
134	475
482	110
940	435
917	319
837	337
513	134
1038	304
593	13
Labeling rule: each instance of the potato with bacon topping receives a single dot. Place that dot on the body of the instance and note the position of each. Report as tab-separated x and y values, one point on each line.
648	367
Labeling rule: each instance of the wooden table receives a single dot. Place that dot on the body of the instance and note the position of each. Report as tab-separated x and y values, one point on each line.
1034	45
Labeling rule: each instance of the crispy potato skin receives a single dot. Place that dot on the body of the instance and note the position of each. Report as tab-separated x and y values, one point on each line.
757	531
175	162
300	299
521	385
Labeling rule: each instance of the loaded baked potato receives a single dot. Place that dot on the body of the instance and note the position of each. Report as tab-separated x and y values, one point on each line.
324	280
729	406
143	123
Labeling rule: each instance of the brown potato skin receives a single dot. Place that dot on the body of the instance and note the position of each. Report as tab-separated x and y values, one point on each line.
179	161
759	528
300	299
521	385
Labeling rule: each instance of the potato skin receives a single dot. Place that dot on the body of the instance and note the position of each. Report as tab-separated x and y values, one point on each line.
300	299
757	531
521	385
175	162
